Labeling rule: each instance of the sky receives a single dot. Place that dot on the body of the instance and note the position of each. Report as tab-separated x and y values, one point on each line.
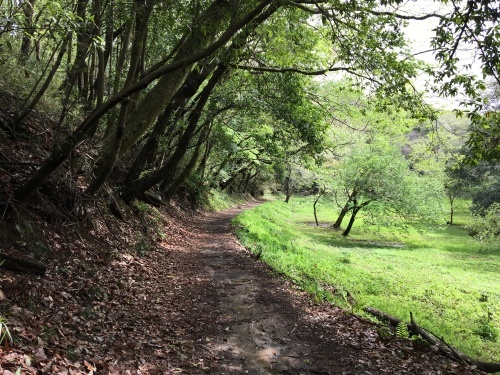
420	34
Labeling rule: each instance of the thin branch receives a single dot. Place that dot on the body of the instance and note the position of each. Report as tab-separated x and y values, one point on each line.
301	71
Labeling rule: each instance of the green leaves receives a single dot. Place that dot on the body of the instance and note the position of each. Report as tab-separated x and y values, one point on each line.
379	174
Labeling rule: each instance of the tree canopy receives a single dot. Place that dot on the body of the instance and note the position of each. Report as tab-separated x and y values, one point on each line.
165	91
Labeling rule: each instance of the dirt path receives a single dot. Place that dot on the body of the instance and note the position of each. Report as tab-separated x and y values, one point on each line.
198	303
261	324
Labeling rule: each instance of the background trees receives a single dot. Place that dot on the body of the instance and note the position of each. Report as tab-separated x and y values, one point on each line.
221	91
375	177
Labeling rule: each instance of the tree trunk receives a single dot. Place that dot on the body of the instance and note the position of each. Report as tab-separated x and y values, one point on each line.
120	62
26	111
250	178
203	164
342	214
288	184
322	191
224	185
28	10
15	260
74	75
187	90
452	209
174	187
151	105
355	211
108	162
170	166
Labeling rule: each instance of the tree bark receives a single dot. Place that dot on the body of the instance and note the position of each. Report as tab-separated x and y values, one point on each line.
179	180
191	86
170	166
452	209
355	211
28	10
108	162
224	185
17	261
342	214
414	328
151	105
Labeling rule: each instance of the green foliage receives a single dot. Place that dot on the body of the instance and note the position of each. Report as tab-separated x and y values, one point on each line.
484	196
382	268
486	328
402	330
487	228
377	178
142	246
5	336
484	141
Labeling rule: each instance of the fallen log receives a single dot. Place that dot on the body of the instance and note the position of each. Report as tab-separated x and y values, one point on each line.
449	351
392	320
15	260
443	346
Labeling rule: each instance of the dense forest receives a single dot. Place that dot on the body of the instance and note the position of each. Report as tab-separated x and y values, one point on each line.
145	102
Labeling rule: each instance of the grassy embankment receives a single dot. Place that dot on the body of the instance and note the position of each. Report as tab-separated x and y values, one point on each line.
441	275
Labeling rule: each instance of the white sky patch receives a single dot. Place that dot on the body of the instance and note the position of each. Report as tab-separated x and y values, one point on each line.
420	34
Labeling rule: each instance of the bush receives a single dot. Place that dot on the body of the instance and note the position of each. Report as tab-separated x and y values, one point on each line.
486	228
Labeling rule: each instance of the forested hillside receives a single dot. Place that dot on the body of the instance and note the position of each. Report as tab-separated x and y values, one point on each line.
115	112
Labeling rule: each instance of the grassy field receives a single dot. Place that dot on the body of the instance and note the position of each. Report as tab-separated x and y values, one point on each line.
440	274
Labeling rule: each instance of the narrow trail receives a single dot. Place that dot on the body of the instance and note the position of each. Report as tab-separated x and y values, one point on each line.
261	324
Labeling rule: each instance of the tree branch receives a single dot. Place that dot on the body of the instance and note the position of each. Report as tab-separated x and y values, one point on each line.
302	71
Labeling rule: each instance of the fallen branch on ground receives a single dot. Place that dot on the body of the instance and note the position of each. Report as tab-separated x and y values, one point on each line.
444	347
14	260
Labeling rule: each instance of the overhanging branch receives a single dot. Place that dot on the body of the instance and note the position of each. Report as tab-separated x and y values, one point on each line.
303	71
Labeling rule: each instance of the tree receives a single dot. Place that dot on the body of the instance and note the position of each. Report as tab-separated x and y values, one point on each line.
130	63
376	177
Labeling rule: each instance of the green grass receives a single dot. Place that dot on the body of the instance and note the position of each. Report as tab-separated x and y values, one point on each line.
440	273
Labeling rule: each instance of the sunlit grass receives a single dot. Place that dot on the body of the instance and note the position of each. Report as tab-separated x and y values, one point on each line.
439	273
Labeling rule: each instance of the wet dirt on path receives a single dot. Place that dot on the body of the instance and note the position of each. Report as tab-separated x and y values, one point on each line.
263	324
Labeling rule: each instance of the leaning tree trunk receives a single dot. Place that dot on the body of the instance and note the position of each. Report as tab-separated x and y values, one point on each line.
347	207
152	104
89	126
27	110
225	184
188	89
179	180
342	214
140	186
355	211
